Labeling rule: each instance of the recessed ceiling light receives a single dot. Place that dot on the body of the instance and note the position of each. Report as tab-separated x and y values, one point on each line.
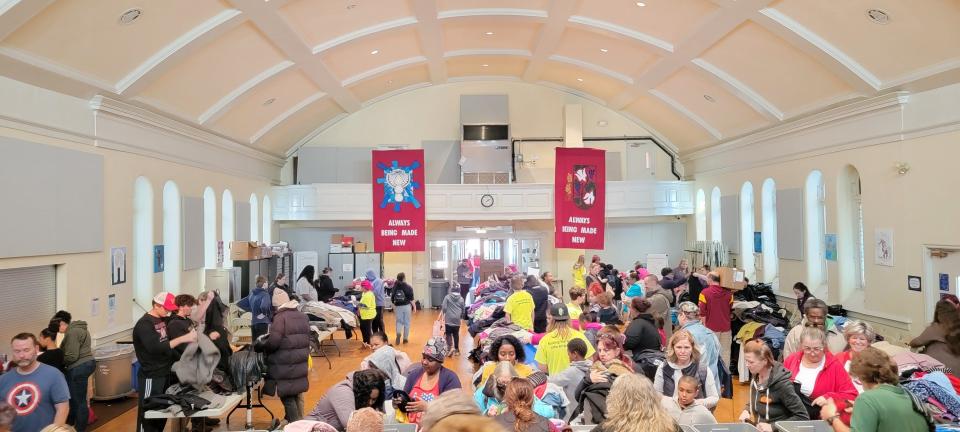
375	52
390	82
709	98
580	79
641	4
269	101
130	15
602	123
489	33
484	65
878	16
603	50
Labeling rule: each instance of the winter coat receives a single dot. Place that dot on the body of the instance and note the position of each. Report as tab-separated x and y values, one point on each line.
641	334
325	288
570	378
541	304
378	291
76	345
669	373
197	363
390	361
259	304
775	400
934	343
833	381
660	308
463	274
287	348
452	308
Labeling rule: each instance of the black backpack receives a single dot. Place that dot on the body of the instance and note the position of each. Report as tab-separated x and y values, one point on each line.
398	297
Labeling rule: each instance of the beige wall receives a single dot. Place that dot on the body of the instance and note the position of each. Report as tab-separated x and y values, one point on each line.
921	207
82	277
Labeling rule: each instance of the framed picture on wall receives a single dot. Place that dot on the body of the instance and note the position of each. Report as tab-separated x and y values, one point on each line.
118	265
158	258
883	247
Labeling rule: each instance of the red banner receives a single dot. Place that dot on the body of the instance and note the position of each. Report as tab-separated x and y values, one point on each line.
399	199
579	198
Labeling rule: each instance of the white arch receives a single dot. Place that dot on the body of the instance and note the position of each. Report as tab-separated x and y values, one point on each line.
747	228
171	238
715	231
815	213
267	235
768	208
142	244
850	247
227	226
209	228
254	218
701	215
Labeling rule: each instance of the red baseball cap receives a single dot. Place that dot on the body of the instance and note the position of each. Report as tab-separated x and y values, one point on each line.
166	300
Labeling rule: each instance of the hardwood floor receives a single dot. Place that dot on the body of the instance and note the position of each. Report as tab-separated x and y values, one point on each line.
352	352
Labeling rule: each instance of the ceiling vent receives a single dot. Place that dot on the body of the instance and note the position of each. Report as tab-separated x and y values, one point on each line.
878	16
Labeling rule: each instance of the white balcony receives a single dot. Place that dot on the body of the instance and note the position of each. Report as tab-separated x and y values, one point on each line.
447	202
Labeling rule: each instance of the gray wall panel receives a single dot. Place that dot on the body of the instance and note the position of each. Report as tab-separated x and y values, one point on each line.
484	109
192	233
241	219
730	222
442	159
790	224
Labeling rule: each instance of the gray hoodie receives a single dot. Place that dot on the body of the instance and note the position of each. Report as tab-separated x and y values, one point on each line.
570	378
452	307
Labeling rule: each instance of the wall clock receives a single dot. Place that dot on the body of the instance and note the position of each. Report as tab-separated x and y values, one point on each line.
486	200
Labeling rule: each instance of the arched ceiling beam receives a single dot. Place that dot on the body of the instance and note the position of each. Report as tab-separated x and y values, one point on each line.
741	90
15	13
286	39
223	105
677	106
461	13
488	52
592	67
181	47
549	37
285	115
660	46
379	70
431	39
364	32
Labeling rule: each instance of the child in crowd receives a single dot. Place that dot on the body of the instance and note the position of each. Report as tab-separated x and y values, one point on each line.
608	313
571	377
575	307
452	310
634	290
684	408
367	310
590	322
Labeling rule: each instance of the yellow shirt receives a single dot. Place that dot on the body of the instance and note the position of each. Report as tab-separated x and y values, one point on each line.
580	276
523	371
552	350
368	306
520	307
574	310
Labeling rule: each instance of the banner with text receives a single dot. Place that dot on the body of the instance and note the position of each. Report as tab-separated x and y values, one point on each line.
399	197
579	198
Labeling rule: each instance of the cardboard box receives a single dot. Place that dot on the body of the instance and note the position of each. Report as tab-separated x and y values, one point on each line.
336	239
336	248
732	278
359	247
244	250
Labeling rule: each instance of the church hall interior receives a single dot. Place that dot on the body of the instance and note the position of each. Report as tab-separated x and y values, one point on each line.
479	215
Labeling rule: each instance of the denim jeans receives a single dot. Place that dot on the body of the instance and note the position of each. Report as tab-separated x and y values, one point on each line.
78	378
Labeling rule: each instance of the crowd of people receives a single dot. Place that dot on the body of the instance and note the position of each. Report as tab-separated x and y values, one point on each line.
627	349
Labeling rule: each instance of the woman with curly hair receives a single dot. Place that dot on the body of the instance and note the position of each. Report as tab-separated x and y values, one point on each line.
519	415
632	402
941	340
509	349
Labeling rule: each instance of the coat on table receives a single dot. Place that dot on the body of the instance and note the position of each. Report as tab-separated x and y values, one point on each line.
287	348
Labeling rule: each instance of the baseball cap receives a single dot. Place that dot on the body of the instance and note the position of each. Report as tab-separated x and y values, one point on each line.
166	300
559	312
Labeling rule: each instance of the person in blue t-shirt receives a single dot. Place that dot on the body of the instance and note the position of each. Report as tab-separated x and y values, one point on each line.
37	392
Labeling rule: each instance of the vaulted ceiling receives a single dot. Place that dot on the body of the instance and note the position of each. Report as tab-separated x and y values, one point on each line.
267	73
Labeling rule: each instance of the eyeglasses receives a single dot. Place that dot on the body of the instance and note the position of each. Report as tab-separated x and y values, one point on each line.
813	349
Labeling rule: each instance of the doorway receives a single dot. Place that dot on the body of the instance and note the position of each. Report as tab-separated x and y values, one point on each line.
943	274
492	253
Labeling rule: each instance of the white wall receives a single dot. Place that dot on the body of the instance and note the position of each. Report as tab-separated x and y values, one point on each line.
626	243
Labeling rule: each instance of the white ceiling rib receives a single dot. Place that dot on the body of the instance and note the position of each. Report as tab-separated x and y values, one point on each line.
213	113
15	13
431	39
549	37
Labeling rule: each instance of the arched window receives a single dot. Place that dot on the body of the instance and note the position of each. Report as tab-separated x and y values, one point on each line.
142	244
267	220
715	233
746	231
850	232
171	238
701	215
254	218
209	228
226	226
815	213
768	207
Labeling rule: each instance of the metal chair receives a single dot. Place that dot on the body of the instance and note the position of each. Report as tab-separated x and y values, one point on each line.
804	426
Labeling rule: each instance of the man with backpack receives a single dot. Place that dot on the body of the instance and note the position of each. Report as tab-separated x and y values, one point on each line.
403	307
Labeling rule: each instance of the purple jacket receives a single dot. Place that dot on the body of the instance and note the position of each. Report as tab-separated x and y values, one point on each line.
448	379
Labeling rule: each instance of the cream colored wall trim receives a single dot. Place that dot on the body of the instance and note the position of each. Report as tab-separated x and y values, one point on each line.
124	127
384	26
444	202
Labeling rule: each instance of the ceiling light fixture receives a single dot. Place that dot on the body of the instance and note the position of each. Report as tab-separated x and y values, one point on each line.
129	16
603	50
580	79
484	65
878	16
269	101
709	98
641	4
489	33
375	52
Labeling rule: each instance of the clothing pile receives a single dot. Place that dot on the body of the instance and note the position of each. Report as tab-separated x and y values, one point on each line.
756	314
187	400
330	312
938	391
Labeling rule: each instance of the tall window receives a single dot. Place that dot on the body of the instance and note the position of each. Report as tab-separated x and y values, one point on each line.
768	207
254	218
701	215
226	226
209	228
850	249
746	230
267	220
815	212
715	233
142	244
171	238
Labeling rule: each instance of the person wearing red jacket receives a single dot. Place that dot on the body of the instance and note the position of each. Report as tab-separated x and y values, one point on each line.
716	308
820	375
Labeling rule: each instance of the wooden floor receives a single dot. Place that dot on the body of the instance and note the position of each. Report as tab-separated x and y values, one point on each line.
322	377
